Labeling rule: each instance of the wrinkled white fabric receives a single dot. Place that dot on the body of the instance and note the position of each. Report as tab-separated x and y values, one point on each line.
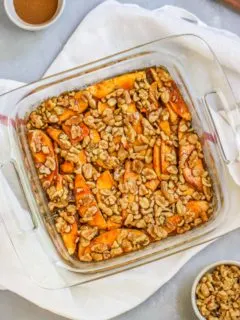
120	27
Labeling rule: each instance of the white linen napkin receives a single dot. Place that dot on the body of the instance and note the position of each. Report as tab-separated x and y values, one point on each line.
109	28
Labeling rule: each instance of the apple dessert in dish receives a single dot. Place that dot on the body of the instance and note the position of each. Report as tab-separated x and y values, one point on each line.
120	164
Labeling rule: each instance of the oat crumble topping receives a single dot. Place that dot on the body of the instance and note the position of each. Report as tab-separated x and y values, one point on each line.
120	164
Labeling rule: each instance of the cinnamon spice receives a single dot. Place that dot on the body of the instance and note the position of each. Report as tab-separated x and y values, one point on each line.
35	11
235	4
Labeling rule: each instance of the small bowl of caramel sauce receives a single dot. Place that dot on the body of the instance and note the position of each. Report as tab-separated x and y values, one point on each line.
34	15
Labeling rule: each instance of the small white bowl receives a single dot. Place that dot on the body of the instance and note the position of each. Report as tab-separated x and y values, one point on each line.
11	12
207	269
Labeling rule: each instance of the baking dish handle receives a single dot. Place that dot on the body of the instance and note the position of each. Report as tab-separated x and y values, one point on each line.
226	124
14	207
15	210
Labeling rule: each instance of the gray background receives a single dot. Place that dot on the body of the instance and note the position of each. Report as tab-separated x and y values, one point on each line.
24	56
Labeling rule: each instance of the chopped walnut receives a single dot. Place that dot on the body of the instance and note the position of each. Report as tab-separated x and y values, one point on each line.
87	171
137	166
62	226
144	203
88	232
157	232
50	163
149	174
218	293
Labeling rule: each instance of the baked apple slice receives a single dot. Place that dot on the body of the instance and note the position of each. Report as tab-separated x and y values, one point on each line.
200	208
166	150
172	223
69	239
82	157
164	125
112	244
59	137
129	175
154	95
81	101
87	205
67	113
67	167
157	160
174	101
125	81
195	180
75	129
94	136
184	153
43	155
105	180
177	103
174	118
152	184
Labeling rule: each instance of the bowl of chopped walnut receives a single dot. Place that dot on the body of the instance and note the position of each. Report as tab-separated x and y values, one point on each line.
216	291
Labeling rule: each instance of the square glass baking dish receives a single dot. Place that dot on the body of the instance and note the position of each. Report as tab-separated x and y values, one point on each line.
202	82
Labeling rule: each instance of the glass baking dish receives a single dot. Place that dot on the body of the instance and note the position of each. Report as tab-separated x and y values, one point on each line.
201	80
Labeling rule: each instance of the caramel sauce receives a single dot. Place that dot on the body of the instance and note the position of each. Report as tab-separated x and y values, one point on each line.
35	11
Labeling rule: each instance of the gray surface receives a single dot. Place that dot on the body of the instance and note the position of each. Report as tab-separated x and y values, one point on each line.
24	56
171	302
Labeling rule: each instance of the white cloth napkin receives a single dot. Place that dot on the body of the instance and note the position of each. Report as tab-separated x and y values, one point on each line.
109	28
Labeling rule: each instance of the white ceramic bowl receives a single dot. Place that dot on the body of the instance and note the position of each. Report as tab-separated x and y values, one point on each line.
209	268
10	10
